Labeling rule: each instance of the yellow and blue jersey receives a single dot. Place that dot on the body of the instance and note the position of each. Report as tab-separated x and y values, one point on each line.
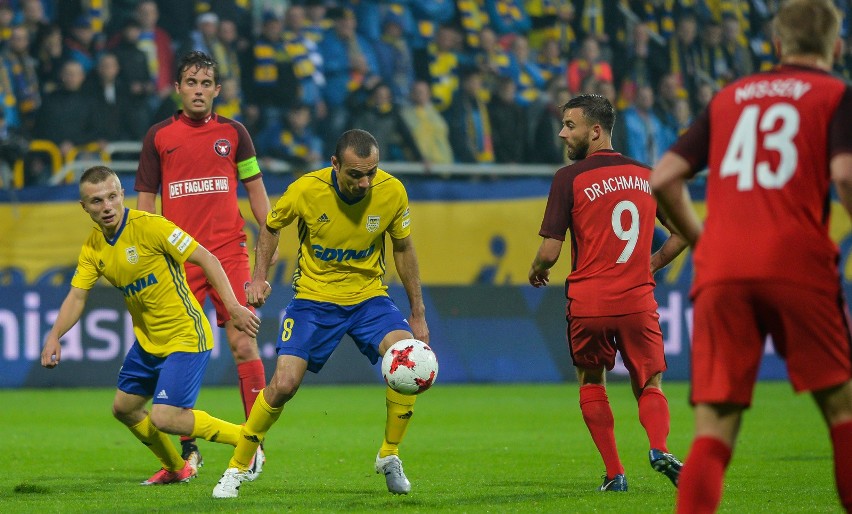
144	260
342	243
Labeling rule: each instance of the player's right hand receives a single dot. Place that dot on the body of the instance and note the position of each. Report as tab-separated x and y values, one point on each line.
539	278
52	353
246	321
257	291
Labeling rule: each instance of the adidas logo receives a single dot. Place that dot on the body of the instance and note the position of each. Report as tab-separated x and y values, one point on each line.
323	219
162	395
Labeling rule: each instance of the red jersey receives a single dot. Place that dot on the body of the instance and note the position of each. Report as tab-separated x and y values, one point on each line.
767	140
605	201
198	164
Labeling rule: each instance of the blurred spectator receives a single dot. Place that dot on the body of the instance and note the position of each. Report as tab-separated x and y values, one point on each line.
685	53
115	110
271	87
428	16
529	80
431	130
349	61
68	117
135	74
736	46
293	141
550	61
508	16
179	18
602	20
445	59
763	52
396	65
493	61
473	20
13	146
380	116
23	73
646	137
305	60
703	95
683	115
83	44
229	102
7	20
317	23
204	38
33	18
644	62
49	54
714	58
588	64
508	123
547	147
666	101
228	55
157	45
468	120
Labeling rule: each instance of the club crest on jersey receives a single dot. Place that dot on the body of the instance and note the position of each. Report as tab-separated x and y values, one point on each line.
373	223
132	256
222	147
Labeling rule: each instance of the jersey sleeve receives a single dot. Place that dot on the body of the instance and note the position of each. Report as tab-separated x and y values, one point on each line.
285	209
560	203
400	227
840	132
694	144
171	239
86	274
149	173
246	158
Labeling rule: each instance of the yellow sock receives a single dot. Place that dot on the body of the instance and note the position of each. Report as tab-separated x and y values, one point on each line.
261	418
214	429
399	414
159	443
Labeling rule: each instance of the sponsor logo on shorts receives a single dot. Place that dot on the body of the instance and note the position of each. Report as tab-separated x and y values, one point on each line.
162	395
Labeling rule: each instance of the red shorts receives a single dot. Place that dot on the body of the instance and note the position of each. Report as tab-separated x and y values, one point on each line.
593	342
809	330
239	275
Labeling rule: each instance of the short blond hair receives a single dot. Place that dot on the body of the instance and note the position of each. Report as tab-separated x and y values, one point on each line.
807	27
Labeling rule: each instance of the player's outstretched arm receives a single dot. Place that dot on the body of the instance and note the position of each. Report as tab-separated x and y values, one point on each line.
841	174
244	319
260	206
545	258
69	314
668	180
405	259
259	289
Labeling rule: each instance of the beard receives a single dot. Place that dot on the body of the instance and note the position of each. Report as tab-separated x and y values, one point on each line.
578	153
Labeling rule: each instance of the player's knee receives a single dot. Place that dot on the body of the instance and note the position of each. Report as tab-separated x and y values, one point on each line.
126	414
244	348
280	390
163	420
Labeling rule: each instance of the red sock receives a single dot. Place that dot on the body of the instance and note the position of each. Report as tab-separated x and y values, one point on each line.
597	414
252	382
654	416
699	488
841	440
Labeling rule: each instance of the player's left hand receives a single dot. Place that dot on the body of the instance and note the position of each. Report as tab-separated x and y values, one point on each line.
419	328
539	278
257	291
245	320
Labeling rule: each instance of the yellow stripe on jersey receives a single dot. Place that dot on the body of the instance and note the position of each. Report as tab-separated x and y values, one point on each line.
341	245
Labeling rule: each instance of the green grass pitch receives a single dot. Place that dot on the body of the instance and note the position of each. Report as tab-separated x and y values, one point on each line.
470	448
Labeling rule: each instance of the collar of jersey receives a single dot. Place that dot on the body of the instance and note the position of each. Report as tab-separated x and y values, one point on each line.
337	189
194	123
118	232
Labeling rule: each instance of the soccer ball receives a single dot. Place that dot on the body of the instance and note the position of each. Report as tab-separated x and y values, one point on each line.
410	366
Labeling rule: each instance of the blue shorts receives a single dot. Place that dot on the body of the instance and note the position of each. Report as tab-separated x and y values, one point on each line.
172	380
312	330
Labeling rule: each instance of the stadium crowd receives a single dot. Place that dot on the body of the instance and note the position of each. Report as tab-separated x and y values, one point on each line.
437	82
